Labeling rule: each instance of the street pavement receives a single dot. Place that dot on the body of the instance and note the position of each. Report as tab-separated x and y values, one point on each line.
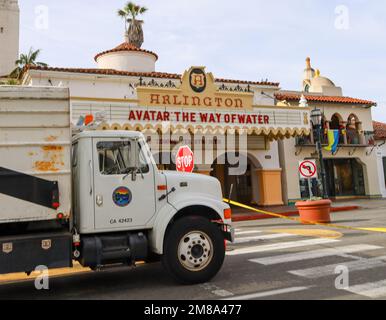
271	259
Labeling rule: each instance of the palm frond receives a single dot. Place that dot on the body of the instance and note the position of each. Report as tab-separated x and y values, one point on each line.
34	56
142	10
16	73
122	13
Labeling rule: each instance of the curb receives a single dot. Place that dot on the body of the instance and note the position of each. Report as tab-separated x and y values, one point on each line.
255	216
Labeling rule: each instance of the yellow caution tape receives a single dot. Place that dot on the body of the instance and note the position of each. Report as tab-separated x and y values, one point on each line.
335	226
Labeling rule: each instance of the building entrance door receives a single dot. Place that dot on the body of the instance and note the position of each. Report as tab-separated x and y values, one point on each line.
345	177
242	184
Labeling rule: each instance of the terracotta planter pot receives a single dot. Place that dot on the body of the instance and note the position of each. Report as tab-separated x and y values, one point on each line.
314	211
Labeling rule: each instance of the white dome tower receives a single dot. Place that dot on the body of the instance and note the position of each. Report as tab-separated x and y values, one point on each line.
127	57
9	35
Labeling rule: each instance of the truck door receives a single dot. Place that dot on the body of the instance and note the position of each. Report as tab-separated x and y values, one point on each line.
124	184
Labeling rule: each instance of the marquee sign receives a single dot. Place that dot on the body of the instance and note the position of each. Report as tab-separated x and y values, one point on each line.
197	104
198	90
140	115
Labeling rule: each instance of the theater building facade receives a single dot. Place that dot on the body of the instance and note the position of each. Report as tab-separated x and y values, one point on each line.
233	127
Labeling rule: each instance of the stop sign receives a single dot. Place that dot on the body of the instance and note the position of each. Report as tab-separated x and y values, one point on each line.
185	159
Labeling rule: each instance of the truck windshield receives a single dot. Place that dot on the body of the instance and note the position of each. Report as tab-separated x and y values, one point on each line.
116	157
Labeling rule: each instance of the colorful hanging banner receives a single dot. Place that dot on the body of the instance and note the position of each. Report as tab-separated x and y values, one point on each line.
333	140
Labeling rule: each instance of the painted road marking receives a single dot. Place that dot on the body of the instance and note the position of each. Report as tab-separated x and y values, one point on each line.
247	232
267	293
375	229
317	233
18	277
328	270
372	290
280	246
314	254
266	237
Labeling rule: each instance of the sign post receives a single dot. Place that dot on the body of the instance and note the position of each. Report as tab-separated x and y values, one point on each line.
308	170
185	160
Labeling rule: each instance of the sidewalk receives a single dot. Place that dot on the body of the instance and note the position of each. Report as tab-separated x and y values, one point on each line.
239	214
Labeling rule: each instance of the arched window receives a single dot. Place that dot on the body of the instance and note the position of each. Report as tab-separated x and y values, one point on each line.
336	124
352	129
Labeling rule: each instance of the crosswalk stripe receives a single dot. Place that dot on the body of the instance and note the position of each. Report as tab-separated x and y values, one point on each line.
279	246
371	290
237	233
266	237
292	257
323	271
267	293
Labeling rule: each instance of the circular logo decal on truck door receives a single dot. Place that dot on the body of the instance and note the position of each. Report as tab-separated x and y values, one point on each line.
122	196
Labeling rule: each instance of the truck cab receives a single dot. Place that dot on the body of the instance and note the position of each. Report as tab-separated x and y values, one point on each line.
126	210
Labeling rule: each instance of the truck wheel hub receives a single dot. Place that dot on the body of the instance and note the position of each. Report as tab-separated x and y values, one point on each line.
195	251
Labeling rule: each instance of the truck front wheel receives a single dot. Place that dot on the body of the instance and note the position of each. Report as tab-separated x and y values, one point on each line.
194	250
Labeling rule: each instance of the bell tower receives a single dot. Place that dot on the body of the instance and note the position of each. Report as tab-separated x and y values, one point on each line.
9	35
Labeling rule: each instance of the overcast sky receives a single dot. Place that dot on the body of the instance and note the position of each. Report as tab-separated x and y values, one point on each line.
244	39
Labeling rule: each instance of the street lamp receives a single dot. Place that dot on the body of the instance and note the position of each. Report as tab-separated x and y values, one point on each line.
316	117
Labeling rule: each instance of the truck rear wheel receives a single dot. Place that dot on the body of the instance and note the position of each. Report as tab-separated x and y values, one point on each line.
194	250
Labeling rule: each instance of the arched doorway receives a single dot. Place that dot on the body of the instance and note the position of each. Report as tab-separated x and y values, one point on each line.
245	185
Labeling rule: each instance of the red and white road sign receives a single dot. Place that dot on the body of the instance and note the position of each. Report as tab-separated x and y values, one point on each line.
307	169
185	159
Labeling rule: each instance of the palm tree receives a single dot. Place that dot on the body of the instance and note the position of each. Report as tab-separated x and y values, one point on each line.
25	60
134	32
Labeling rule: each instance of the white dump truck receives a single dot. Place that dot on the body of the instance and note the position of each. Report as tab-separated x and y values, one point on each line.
97	197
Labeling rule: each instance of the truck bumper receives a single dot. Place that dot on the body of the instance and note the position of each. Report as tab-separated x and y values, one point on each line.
24	253
229	233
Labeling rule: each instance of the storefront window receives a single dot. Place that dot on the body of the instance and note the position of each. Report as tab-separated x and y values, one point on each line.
345	178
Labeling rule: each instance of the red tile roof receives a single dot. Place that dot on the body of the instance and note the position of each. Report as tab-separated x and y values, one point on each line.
328	99
379	130
125	46
138	74
259	83
107	72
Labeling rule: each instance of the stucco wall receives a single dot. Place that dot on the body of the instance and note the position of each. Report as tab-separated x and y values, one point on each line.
128	61
9	37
